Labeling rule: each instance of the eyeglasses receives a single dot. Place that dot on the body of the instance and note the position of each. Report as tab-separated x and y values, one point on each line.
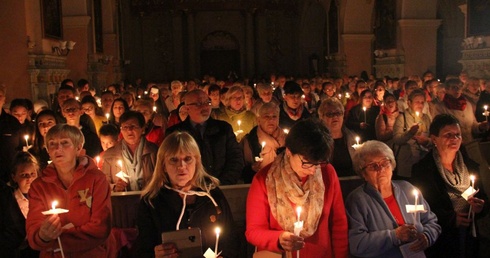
333	114
451	136
200	104
175	161
129	127
28	175
377	166
307	164
88	109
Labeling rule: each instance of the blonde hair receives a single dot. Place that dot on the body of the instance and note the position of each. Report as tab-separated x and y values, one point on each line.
175	143
65	130
232	91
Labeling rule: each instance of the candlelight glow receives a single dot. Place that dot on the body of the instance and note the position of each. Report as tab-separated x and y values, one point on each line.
286	131
417	113
26	137
364	108
217	230
53	205
298	212
485	107
154	109
358	139
415	192
107	115
119	162
263	144
239	122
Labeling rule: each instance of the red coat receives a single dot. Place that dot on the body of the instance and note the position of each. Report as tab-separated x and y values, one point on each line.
88	200
330	238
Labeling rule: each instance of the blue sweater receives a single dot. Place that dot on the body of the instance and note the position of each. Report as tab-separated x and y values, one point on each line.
372	226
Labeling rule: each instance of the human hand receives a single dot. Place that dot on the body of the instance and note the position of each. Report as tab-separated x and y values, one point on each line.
406	233
414	128
120	185
476	204
422	140
290	242
421	243
462	219
50	228
167	250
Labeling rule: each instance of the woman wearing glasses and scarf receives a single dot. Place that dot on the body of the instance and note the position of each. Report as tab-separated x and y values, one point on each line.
379	225
299	177
182	195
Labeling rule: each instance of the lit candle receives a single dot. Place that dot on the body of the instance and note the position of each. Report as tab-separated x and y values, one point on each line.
26	137
364	109
416	193
217	230
486	112
107	116
154	108
472	178
76	98
263	145
347	95
119	163
239	122
286	131
55	210
97	160
298	225
357	140
298	213
146	92
340	96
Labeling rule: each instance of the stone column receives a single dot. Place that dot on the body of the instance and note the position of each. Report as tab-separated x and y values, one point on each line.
358	49
418	38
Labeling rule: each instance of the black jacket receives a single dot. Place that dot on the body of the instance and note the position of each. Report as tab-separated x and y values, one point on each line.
164	214
220	153
426	177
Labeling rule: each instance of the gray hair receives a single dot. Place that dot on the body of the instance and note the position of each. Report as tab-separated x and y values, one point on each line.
371	148
329	103
270	106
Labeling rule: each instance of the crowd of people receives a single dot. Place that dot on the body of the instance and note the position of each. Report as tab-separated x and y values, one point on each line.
290	138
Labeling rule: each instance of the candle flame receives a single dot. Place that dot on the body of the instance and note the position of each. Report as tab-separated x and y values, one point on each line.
239	122
107	115
154	109
485	107
417	113
53	205
415	192
263	144
119	162
364	108
358	139
217	230
26	137
97	159
286	131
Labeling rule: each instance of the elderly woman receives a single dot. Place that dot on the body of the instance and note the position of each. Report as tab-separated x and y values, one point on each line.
379	225
182	195
133	155
331	112
236	114
260	145
299	177
443	175
78	186
455	103
411	133
174	99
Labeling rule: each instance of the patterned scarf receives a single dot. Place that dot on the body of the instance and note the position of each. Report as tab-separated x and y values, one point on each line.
285	193
132	164
455	103
294	114
456	182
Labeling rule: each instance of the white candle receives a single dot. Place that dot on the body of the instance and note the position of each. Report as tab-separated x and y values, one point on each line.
217	230
365	120
26	137
416	193
54	210
298	225
486	112
472	178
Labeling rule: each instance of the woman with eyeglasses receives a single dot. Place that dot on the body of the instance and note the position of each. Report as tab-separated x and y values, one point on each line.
24	171
456	104
331	112
182	195
133	155
299	177
379	224
443	175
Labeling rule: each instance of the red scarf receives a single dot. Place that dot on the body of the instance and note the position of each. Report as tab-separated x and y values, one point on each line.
455	103
385	110
294	114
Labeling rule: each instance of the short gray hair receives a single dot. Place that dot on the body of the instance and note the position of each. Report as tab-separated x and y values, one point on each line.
329	103
371	148
270	106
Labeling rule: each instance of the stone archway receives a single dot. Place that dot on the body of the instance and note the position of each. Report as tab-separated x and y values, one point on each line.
220	54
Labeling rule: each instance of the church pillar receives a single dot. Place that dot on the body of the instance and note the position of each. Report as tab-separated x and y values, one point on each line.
419	44
358	53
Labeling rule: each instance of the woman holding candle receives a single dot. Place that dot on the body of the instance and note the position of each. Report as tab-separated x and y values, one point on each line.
331	112
411	134
443	175
79	187
362	117
182	195
299	176
379	223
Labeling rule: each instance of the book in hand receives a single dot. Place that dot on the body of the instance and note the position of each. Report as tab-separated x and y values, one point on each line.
187	241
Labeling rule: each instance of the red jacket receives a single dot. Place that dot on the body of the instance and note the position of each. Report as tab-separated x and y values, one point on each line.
88	200
330	238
